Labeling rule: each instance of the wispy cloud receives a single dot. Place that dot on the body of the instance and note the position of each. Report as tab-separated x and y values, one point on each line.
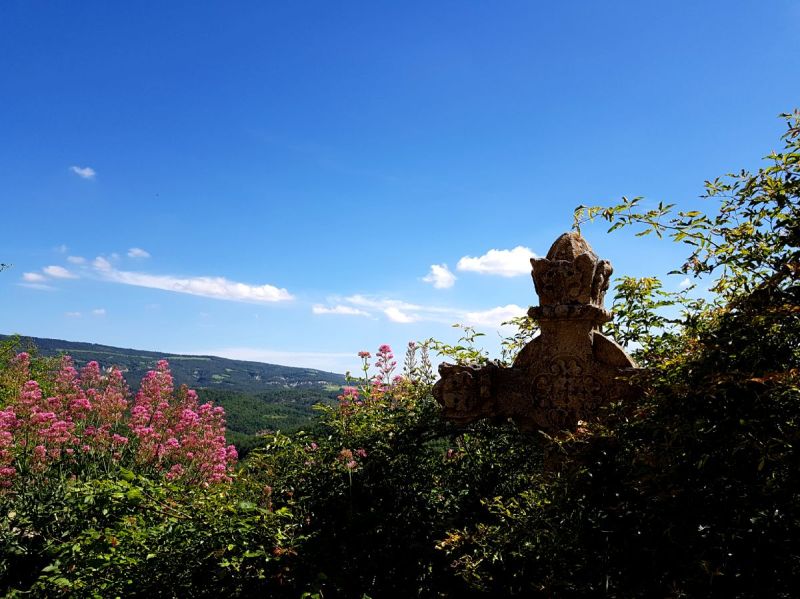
685	283
505	263
72	314
33	277
440	276
213	287
38	286
101	263
84	172
59	272
138	253
403	312
99	312
34	280
338	309
76	260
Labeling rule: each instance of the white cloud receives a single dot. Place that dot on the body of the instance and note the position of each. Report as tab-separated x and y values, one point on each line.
76	260
61	249
494	317
440	276
505	263
338	309
72	314
33	277
59	272
397	315
685	283
138	253
84	172
99	311
213	287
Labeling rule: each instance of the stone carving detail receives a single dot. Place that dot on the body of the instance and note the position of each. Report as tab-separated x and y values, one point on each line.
563	375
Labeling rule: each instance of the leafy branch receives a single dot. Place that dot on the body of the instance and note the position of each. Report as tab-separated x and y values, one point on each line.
752	241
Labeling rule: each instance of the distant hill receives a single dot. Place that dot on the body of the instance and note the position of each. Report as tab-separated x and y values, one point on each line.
256	396
209	372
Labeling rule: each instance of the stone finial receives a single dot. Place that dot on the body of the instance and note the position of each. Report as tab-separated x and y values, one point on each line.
571	274
563	375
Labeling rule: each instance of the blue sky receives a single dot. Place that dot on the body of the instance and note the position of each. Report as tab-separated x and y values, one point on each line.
287	181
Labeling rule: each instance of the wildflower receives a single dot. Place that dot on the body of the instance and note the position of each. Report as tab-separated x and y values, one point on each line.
175	472
385	364
40	453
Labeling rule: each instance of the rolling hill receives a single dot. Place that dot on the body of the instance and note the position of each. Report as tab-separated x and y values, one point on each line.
195	371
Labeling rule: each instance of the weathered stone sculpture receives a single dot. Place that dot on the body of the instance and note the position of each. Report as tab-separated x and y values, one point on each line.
565	373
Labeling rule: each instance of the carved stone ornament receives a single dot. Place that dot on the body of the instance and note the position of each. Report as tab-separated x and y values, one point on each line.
567	372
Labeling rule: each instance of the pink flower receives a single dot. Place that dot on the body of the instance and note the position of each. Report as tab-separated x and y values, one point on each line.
175	472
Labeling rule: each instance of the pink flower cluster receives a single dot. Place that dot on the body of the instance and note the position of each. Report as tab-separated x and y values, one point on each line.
348	458
87	420
178	433
349	397
385	363
378	386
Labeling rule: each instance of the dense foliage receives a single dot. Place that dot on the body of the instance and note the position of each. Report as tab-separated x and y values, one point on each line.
692	490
